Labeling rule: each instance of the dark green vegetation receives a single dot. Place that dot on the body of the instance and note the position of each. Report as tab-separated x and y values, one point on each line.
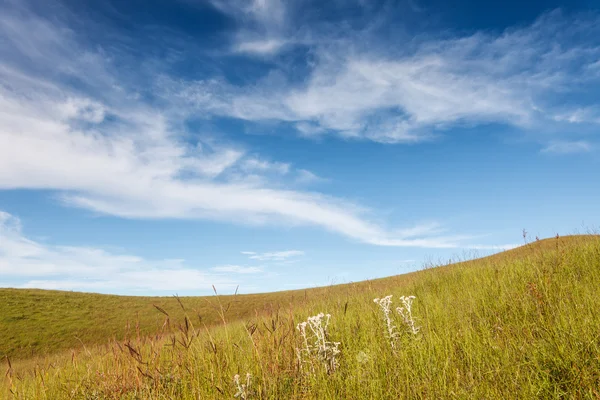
520	324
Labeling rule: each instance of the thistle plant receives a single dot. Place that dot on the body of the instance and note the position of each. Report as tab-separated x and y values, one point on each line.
385	304
243	389
405	312
316	342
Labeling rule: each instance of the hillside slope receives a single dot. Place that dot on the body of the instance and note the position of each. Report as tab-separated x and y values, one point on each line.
37	322
522	324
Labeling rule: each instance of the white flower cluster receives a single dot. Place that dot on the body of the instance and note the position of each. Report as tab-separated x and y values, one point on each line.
405	311
385	304
243	389
316	343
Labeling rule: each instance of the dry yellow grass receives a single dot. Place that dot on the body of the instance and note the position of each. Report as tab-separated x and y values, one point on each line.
520	324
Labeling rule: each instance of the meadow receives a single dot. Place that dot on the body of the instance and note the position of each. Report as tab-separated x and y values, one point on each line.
520	324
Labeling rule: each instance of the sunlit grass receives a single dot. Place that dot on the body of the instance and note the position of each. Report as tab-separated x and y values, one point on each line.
523	324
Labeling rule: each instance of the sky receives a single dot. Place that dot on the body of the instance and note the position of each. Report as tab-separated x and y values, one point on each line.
154	147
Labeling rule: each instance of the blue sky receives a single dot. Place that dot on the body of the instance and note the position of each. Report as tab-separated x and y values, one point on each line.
160	147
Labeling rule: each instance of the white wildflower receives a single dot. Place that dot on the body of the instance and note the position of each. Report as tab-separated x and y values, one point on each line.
405	312
316	344
385	304
243	389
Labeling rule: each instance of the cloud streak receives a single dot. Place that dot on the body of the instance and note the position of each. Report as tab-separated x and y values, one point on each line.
566	147
262	25
108	149
38	265
525	77
237	269
274	255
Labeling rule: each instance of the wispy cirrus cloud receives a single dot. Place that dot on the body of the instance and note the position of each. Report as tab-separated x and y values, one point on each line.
28	263
566	147
274	255
255	164
268	13
262	25
81	129
237	269
529	77
266	46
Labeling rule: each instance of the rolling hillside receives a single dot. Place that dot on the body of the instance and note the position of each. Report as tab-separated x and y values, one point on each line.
519	324
38	322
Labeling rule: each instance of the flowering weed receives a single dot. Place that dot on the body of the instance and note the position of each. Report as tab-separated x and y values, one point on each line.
405	311
316	342
385	304
243	389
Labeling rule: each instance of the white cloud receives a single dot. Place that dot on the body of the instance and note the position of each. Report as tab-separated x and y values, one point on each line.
28	263
269	13
46	266
131	165
255	164
310	130
565	147
274	255
307	177
260	46
263	25
237	269
580	115
519	77
214	163
107	150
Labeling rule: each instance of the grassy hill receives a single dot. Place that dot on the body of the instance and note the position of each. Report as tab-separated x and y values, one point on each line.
519	324
38	322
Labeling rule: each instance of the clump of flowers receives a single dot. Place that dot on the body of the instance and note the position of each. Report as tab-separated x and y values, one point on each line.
385	304
405	311
243	389
316	344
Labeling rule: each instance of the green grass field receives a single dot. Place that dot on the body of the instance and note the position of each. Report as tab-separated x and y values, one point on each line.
520	324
